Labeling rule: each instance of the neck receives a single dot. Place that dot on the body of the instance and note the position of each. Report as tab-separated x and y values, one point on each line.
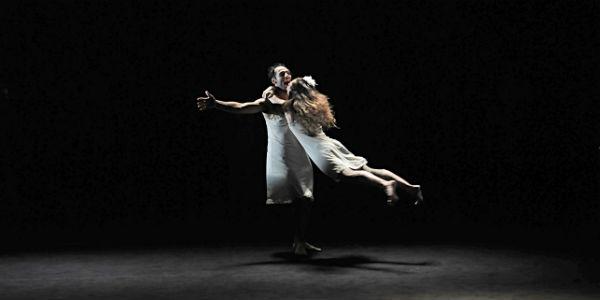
280	93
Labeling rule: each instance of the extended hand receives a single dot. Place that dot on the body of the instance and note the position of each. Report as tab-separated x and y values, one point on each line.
268	103
268	95
205	103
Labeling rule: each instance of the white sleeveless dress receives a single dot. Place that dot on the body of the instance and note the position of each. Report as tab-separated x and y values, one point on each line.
328	154
289	170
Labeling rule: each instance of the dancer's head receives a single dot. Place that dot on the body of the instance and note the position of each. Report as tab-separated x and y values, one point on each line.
279	75
311	107
303	87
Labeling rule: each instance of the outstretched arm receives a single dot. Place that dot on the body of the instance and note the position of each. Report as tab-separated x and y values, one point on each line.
256	106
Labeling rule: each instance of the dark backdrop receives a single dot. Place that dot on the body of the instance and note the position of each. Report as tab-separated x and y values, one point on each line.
486	104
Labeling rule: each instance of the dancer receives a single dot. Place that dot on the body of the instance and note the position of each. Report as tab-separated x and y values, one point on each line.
308	112
289	170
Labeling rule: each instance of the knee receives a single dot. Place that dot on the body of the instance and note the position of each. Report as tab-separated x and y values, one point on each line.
349	173
385	171
374	170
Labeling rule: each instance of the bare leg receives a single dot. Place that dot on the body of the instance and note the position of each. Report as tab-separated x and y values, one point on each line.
389	186
383	173
412	189
302	213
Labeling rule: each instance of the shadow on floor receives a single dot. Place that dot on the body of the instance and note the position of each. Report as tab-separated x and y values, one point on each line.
336	264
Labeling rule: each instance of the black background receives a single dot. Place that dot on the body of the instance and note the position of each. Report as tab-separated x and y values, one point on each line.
486	104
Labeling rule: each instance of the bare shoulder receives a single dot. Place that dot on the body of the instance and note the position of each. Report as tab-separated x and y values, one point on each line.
268	90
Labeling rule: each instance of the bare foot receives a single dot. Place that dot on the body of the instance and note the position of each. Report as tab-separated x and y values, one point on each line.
312	247
418	194
308	247
390	192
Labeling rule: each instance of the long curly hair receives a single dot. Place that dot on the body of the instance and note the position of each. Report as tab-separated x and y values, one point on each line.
311	108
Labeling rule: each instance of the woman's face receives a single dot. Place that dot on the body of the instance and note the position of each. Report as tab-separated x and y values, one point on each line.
292	85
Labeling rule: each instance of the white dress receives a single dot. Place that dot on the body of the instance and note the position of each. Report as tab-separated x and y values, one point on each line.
289	170
328	154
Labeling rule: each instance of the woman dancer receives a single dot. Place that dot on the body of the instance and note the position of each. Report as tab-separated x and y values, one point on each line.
308	112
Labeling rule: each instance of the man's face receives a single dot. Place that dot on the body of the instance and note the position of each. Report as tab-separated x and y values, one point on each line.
282	77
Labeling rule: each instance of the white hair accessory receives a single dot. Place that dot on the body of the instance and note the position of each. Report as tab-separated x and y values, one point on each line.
310	80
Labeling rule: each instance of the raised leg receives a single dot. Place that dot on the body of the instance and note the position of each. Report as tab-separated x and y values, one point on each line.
389	186
412	189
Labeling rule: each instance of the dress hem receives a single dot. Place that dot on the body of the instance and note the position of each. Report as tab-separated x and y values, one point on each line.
287	201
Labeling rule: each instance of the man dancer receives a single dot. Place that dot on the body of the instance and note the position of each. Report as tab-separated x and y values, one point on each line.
289	170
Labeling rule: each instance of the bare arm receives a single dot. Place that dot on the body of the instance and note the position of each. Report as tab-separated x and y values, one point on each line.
253	107
256	106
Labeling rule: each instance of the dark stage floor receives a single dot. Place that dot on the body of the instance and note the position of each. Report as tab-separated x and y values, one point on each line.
269	272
